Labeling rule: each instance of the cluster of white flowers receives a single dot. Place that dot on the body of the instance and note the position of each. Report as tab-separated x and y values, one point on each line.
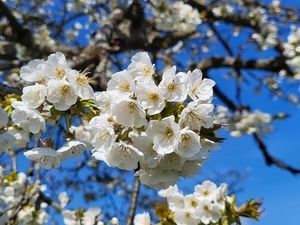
155	125
50	158
19	201
54	82
292	51
223	10
268	37
140	121
244	122
91	216
55	85
11	136
205	206
176	17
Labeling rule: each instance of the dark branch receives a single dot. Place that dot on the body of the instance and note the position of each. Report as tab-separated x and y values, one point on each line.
270	160
134	199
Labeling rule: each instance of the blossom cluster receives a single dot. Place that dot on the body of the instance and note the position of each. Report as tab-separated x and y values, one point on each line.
244	122
19	200
154	124
11	136
54	82
90	216
56	86
142	121
206	205
175	17
292	51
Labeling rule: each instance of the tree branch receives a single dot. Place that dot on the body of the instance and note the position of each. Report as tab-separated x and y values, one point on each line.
5	89
273	64
270	160
134	198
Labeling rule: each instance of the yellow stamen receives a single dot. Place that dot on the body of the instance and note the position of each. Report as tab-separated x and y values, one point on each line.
59	72
81	80
65	90
153	96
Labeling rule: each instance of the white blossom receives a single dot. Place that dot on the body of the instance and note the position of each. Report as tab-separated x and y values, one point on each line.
142	219
145	144
34	71
80	84
34	95
209	212
128	113
189	143
172	162
165	134
102	133
178	17
61	94
81	134
121	155
70	217
185	217
199	88
157	178
28	119
150	98
206	190
141	67
63	199
46	157
172	86
90	216
122	82
56	67
103	101
197	115
71	149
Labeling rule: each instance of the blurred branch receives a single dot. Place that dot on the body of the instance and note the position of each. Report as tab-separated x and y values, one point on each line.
5	89
273	64
134	198
23	36
270	160
49	201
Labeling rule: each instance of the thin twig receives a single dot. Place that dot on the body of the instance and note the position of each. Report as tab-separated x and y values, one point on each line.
134	198
270	160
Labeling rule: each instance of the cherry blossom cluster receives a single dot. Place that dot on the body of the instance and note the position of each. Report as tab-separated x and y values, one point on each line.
18	199
292	50
11	136
206	205
153	124
244	122
142	121
175	17
90	216
54	82
56	86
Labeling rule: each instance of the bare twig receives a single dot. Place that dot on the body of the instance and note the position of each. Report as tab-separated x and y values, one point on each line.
5	89
134	198
269	159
